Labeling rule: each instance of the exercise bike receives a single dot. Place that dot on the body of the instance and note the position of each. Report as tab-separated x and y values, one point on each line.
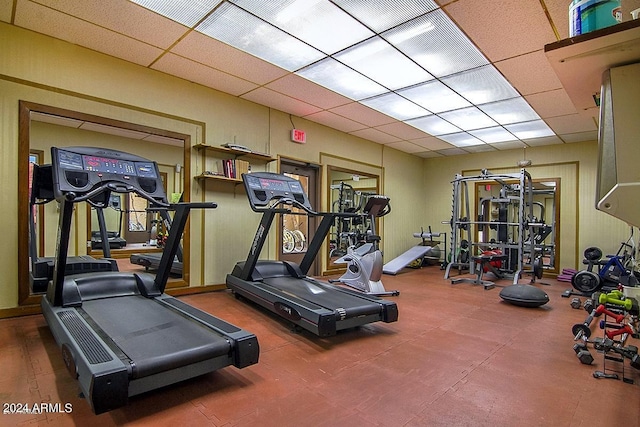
364	261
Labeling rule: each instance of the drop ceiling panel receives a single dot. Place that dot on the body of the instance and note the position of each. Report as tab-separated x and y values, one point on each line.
308	91
362	114
124	17
432	143
405	146
6	8
198	73
375	135
164	140
55	120
547	140
580	136
559	13
428	154
280	102
335	121
482	148
571	123
508	145
551	104
112	130
453	152
518	71
503	29
56	24
402	130
214	53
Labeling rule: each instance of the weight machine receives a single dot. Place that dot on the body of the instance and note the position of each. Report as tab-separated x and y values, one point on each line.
518	245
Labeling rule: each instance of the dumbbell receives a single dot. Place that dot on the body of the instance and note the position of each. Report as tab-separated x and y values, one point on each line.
582	329
589	305
575	302
629	304
626	329
583	353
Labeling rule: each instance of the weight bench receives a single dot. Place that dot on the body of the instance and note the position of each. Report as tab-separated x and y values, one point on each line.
479	264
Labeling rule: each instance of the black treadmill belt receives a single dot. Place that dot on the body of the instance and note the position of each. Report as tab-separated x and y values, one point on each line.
323	296
155	338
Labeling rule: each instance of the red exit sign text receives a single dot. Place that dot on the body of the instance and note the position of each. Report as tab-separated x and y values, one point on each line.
298	136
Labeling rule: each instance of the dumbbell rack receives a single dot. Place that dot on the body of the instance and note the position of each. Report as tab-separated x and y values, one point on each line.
609	355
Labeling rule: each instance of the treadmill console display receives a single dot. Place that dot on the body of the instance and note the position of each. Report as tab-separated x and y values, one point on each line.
105	164
262	187
81	169
273	184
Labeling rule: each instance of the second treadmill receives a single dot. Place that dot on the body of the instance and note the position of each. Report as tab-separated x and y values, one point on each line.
283	287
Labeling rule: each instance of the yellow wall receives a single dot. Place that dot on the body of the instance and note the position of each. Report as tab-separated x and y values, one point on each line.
43	70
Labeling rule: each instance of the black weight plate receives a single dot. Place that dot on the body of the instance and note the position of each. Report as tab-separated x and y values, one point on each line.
537	267
592	253
586	281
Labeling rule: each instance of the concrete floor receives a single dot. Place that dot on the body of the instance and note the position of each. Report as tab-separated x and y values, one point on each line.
458	356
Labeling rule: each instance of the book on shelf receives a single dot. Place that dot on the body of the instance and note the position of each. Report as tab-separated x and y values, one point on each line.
232	168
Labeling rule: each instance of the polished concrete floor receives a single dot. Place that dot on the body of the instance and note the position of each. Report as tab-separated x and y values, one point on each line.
458	356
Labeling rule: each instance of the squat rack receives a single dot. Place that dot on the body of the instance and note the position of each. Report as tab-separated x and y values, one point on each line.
462	219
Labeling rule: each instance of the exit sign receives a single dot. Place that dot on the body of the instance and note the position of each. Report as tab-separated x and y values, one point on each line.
298	136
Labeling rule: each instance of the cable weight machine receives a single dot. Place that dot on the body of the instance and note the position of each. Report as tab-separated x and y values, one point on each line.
503	236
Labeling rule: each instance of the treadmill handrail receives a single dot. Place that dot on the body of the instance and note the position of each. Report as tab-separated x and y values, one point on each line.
115	187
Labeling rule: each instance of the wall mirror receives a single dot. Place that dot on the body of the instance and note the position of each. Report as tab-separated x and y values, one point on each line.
498	208
347	192
132	229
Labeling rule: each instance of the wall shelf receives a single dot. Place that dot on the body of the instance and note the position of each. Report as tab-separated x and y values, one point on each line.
215	153
234	153
580	61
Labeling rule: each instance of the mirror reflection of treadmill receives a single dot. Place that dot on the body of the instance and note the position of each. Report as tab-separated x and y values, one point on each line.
151	260
116	241
119	333
41	272
283	287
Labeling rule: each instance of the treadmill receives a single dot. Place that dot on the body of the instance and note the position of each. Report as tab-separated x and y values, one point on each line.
282	286
42	267
151	260
119	333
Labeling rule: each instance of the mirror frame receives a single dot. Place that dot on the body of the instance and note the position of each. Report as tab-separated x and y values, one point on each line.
329	267
25	108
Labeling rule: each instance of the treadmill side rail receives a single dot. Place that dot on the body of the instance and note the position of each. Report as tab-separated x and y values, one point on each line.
102	376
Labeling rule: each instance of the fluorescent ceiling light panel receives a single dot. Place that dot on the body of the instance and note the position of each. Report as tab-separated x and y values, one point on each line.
434	42
493	134
395	106
244	31
510	111
341	79
433	125
461	139
317	22
185	12
378	60
481	85
434	96
381	15
529	130
468	118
